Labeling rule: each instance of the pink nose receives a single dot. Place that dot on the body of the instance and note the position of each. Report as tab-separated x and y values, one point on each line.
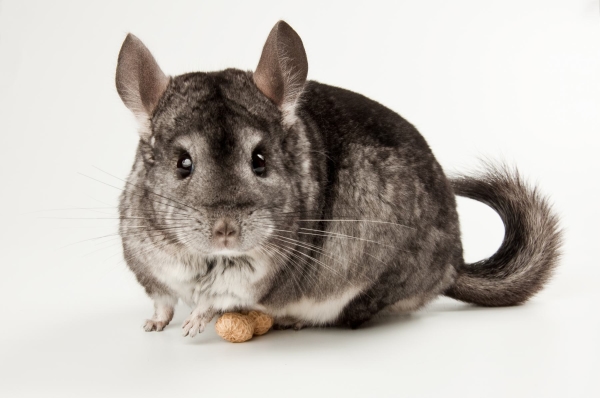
226	233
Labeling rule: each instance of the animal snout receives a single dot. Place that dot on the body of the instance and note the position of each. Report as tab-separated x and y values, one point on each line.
226	233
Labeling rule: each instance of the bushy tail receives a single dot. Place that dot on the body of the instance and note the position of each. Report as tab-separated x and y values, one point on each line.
530	249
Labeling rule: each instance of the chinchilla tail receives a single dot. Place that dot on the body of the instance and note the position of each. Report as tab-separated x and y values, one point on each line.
531	247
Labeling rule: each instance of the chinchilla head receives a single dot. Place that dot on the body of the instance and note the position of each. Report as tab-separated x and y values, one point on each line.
222	156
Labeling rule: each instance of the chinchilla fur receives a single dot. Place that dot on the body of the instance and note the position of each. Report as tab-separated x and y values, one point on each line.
263	191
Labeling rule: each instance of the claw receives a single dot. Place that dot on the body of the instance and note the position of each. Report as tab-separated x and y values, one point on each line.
153	325
194	325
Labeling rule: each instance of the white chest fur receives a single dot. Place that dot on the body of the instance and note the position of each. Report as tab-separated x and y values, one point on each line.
226	284
222	283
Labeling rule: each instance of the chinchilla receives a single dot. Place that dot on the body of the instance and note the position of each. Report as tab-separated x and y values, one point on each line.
264	191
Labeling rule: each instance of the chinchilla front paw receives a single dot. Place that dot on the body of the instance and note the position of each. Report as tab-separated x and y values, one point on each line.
154	325
196	323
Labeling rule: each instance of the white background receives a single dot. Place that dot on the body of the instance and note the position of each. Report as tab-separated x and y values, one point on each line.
516	80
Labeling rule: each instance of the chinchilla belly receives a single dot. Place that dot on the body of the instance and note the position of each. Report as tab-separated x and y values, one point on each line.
313	310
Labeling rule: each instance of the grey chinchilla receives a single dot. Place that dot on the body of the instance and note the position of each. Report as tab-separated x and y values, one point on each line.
264	191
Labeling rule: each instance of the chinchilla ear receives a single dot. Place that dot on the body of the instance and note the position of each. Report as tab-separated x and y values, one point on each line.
282	69
140	82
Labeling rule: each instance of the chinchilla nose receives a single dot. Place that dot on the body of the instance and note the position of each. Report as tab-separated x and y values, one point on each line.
226	232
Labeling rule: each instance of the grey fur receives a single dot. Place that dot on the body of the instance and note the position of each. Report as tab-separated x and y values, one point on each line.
333	157
530	250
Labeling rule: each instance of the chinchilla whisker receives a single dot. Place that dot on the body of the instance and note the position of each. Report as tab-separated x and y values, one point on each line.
311	257
147	212
282	261
148	190
164	242
149	227
329	234
271	255
332	235
111	227
292	257
133	223
113	243
120	260
184	212
317	262
102	202
283	216
294	254
149	232
111	218
114	235
188	237
332	270
340	235
321	251
88	240
347	220
79	218
95	209
134	193
313	217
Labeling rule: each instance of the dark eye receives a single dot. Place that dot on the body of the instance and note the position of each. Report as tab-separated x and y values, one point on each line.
185	166
259	166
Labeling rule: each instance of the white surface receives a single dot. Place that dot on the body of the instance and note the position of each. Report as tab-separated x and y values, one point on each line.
516	80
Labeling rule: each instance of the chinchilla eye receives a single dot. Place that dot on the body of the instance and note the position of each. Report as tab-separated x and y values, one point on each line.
185	166
259	166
